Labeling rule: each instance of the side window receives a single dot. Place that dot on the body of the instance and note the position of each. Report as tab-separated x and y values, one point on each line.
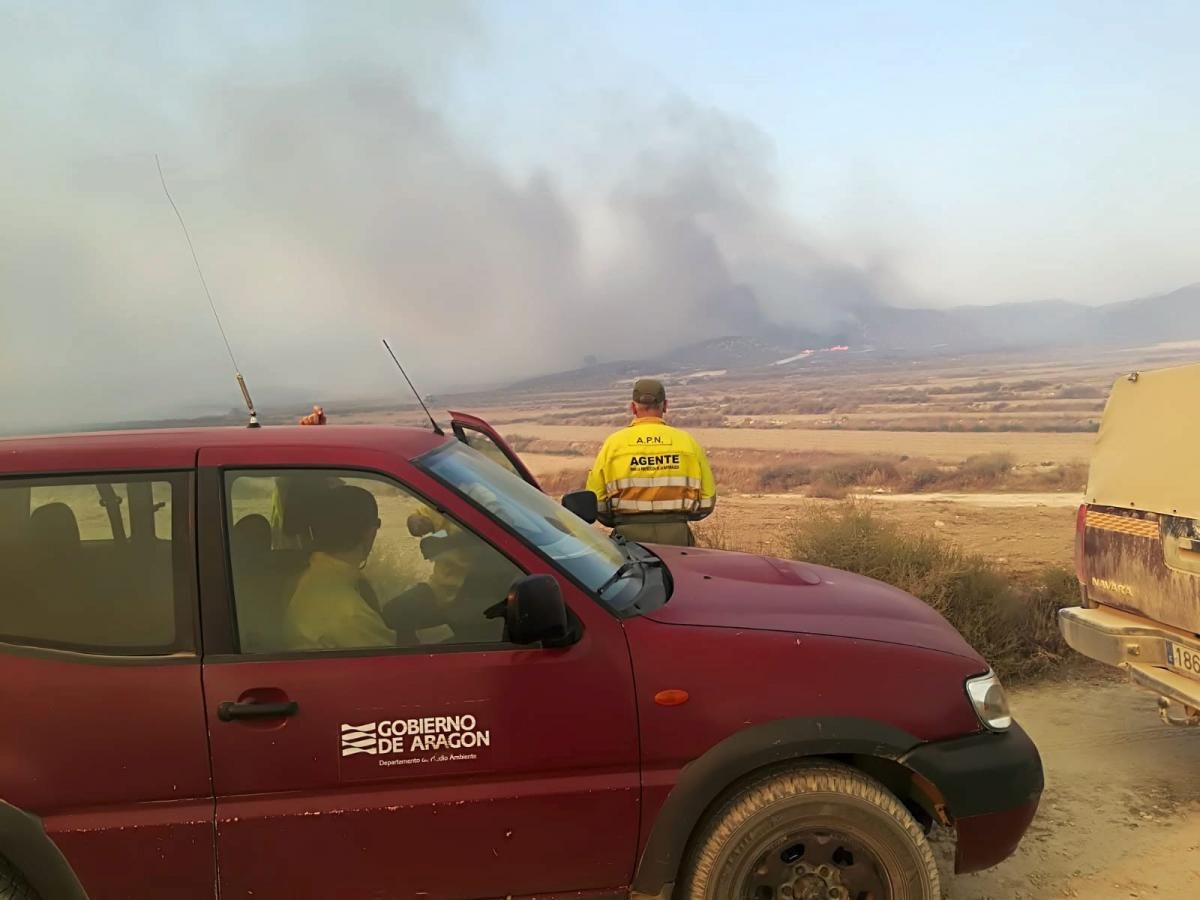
100	511
326	560
479	441
91	564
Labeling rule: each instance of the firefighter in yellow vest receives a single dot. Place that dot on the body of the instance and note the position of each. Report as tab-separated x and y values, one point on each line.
652	480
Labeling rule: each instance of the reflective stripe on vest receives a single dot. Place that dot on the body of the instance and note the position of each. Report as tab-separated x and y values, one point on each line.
645	482
621	504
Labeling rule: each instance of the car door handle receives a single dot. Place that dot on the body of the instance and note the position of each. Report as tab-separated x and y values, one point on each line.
229	711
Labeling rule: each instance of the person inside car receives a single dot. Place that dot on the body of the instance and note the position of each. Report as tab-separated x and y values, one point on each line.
334	607
294	497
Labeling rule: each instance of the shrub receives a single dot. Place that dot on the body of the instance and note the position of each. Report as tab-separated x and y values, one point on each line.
987	468
1067	476
923	477
1080	392
859	470
1012	623
697	419
563	481
1029	385
711	533
784	476
827	488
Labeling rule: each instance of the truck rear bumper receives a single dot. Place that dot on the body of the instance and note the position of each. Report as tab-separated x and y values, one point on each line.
1139	646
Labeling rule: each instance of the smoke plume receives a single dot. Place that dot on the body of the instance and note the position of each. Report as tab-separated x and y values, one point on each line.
332	201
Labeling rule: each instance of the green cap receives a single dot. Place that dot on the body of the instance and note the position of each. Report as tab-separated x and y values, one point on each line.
649	392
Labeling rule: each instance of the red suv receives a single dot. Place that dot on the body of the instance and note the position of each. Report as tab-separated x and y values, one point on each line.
376	662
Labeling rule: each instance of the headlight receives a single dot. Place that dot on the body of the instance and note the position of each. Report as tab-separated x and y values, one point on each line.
990	702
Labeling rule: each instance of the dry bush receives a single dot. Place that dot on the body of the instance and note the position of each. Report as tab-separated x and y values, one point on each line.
986	469
1065	477
781	404
826	488
923	476
1031	384
563	481
978	387
750	472
832	475
523	443
1065	409
712	534
740	478
900	395
697	418
784	477
608	417
1080	392
1012	623
865	471
827	475
958	423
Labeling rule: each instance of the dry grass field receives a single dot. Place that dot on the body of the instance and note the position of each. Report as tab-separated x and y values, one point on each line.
935	442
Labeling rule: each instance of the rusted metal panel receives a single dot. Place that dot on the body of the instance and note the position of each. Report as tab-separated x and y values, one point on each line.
1144	563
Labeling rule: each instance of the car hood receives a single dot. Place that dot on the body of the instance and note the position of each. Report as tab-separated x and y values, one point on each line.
719	589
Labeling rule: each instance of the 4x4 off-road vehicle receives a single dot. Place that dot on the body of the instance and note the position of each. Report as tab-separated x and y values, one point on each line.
1137	549
559	714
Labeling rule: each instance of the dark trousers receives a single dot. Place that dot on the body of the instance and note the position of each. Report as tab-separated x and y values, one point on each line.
657	531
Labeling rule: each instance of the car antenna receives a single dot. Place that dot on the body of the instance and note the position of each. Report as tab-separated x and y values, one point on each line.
432	421
253	423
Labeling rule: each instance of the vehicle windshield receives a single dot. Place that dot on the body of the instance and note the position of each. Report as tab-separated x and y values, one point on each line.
586	553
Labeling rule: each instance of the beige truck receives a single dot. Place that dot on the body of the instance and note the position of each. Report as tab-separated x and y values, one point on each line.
1137	545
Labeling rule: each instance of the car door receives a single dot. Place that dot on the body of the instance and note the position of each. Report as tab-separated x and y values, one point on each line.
103	718
460	767
479	435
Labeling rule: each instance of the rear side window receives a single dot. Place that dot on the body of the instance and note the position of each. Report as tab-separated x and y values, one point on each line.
93	564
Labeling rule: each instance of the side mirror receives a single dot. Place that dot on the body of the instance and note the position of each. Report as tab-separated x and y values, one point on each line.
583	504
535	612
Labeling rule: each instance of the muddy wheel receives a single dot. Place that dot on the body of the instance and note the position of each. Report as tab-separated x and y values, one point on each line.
820	832
13	885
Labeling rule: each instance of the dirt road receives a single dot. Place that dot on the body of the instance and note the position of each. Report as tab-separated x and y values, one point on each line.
1121	814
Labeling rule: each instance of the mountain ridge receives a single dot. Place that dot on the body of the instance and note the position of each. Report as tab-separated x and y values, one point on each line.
917	331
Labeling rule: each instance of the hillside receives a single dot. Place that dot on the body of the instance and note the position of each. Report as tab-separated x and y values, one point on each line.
1051	323
908	332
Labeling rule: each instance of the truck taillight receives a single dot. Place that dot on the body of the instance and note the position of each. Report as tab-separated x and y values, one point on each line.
1081	544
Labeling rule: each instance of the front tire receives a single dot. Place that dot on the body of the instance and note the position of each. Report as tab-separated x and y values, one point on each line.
812	832
13	885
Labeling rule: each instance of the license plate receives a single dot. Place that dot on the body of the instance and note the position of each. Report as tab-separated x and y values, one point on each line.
1184	659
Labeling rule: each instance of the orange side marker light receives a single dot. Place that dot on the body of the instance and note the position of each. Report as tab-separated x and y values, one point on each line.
671	697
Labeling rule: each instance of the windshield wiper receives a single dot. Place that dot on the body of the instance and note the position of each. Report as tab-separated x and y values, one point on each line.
624	569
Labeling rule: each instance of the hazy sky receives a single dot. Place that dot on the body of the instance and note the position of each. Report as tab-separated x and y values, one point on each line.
501	188
997	151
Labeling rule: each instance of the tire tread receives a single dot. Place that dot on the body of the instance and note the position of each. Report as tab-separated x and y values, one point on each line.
778	786
13	885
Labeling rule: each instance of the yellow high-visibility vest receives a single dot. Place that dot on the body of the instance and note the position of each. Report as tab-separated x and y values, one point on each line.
651	467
